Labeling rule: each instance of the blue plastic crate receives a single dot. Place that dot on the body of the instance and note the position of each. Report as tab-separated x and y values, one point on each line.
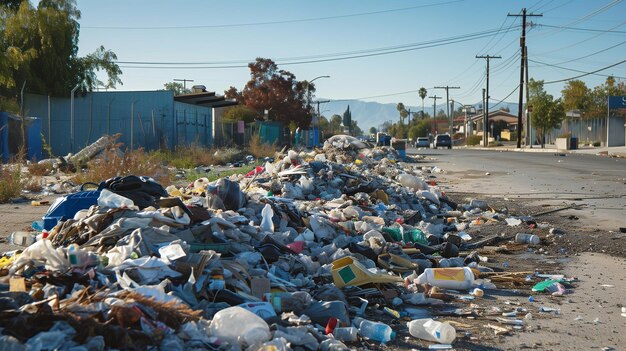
66	207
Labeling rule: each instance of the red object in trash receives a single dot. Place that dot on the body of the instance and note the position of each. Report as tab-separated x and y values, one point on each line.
257	170
296	246
330	327
400	220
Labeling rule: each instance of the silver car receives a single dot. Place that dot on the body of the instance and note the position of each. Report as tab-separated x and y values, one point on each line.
422	142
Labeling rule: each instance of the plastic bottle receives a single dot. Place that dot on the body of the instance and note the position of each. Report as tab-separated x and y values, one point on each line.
22	238
430	330
376	331
524	238
288	302
461	278
75	256
347	334
266	222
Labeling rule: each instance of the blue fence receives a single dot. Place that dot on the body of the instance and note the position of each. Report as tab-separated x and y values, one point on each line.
148	119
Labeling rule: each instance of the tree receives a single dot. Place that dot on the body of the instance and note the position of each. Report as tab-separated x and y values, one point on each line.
355	129
40	46
347	119
403	112
576	96
420	129
335	123
373	130
422	93
177	88
276	91
600	94
547	113
241	113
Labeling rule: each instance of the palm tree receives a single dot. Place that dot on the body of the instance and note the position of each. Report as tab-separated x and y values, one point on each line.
423	93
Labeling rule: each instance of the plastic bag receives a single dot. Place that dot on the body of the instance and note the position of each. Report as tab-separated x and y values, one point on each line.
112	200
231	194
239	326
266	222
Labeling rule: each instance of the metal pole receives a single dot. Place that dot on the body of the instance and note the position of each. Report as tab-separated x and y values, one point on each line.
521	83
132	124
72	118
484	121
49	124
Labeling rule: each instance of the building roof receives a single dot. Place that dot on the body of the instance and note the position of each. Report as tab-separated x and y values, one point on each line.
207	99
499	115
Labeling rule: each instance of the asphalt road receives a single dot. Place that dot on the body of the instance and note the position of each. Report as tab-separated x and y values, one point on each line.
596	183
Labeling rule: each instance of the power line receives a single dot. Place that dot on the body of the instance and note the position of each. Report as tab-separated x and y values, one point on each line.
586	74
384	95
573	70
353	52
558	6
374	52
275	22
581	41
506	97
585	29
593	53
586	17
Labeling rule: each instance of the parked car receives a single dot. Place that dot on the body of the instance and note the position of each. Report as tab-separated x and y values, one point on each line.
442	140
422	142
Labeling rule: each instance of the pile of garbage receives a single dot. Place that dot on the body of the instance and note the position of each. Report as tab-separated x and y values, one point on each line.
307	252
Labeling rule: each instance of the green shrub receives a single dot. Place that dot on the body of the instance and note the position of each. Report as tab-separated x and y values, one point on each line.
597	143
474	140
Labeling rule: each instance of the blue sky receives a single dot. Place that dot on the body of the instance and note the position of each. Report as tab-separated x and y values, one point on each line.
231	33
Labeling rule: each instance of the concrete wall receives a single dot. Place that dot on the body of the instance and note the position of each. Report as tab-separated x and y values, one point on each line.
616	134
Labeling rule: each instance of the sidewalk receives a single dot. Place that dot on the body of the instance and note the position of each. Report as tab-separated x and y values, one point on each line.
616	151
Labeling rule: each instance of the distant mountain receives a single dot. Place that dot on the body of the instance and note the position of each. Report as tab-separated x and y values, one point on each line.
374	114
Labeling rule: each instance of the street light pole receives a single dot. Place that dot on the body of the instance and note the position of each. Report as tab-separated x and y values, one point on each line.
308	95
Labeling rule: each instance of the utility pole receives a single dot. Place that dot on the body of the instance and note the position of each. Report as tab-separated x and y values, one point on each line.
184	82
522	44
486	107
435	97
448	104
484	120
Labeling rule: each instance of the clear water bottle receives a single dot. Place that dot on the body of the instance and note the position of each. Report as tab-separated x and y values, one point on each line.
376	331
430	330
22	238
347	334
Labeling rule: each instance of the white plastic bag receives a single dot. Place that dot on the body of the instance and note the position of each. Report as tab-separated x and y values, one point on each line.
239	326
112	200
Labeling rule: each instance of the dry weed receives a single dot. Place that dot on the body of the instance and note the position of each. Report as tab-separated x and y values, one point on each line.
39	169
114	163
10	182
259	149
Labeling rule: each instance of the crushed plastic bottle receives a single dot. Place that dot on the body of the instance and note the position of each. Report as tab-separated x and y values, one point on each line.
346	334
524	238
22	238
376	331
431	330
